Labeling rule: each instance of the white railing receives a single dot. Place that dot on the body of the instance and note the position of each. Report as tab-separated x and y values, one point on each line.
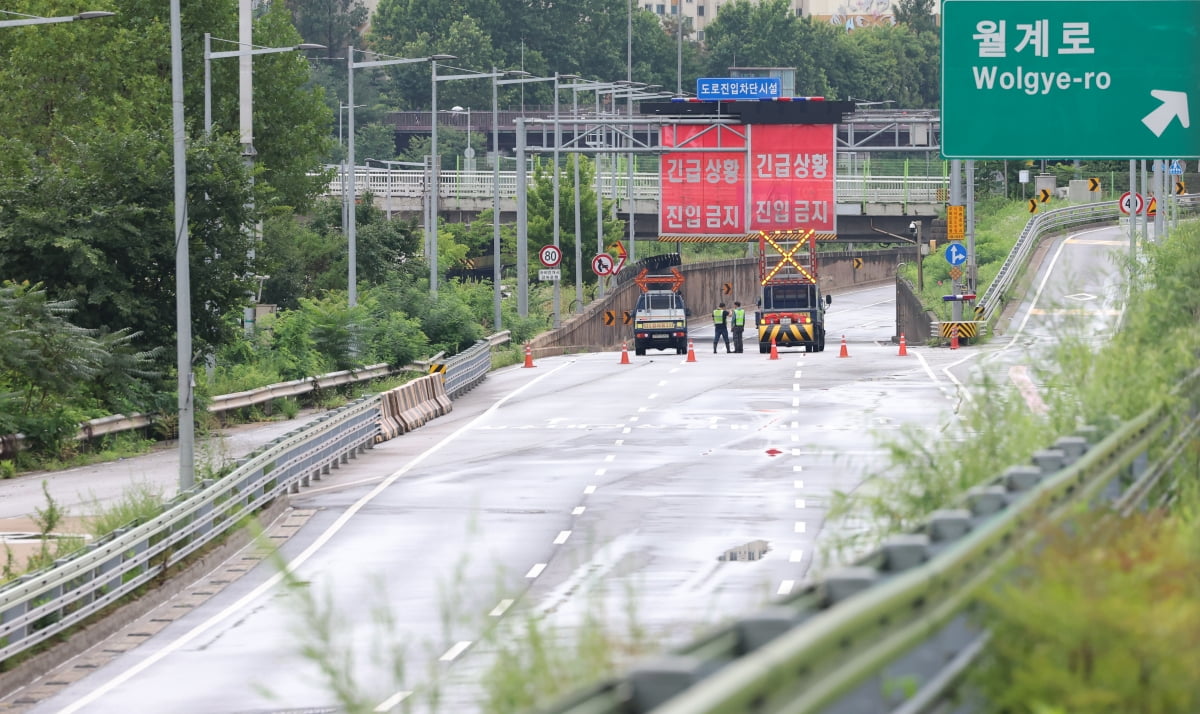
480	185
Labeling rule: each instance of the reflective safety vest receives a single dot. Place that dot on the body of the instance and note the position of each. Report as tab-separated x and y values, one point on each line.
739	317
719	316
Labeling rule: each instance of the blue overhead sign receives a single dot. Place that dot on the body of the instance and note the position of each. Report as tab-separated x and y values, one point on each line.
719	88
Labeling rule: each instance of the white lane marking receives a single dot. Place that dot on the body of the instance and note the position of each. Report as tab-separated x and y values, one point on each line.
608	459
626	430
562	537
536	570
590	489
800	527
797	374
600	472
796	556
795	452
797	467
500	608
795	425
642	409
673	370
785	588
795	387
633	418
663	383
453	653
799	503
320	541
390	703
798	484
795	401
578	510
653	395
795	437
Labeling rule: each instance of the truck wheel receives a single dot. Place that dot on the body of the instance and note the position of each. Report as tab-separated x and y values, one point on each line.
681	347
763	348
821	342
639	349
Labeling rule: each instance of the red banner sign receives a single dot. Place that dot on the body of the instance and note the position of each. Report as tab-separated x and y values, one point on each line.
703	192
791	177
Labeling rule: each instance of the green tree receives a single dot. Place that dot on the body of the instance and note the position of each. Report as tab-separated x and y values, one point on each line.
95	225
766	34
333	23
917	15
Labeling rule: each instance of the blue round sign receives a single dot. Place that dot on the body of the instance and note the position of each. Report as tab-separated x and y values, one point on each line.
956	254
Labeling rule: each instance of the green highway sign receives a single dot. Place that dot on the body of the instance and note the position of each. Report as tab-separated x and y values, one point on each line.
1072	79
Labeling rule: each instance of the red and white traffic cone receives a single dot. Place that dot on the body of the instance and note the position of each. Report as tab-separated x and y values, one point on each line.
954	338
528	355
843	353
903	346
774	351
625	353
691	352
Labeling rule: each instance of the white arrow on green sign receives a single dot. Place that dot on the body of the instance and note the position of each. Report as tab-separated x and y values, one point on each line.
1069	79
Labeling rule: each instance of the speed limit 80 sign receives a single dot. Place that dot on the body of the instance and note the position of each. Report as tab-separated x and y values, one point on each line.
550	255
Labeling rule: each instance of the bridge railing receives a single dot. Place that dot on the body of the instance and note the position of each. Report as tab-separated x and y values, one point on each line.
481	185
904	612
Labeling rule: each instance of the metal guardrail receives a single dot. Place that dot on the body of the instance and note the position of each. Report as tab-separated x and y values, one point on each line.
42	605
904	611
481	185
1045	224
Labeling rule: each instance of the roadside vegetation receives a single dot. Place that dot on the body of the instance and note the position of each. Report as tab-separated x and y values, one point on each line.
1099	616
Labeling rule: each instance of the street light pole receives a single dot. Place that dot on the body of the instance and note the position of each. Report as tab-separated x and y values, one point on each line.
209	56
495	200
351	224
35	20
183	284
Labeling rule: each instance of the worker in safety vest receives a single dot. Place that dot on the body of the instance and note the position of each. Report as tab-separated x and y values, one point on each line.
739	325
720	318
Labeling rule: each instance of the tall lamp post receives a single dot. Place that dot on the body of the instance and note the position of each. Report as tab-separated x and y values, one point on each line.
522	229
209	56
432	239
351	65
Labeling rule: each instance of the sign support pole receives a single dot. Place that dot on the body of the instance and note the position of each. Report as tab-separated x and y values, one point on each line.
522	224
972	266
1132	217
956	194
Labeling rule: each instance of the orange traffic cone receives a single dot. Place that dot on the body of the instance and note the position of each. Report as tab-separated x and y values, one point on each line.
774	352
691	352
625	353
528	355
843	353
903	346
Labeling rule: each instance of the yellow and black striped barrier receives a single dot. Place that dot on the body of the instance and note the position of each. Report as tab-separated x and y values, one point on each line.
964	330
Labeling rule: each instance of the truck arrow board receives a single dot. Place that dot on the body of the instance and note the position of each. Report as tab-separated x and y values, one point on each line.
1065	78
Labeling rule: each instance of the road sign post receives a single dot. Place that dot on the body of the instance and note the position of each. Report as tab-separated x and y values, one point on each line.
1062	78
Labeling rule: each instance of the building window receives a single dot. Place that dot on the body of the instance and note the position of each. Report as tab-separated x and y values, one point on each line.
661	9
700	11
675	9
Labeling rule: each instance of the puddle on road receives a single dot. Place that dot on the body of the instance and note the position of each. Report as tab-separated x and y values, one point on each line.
754	550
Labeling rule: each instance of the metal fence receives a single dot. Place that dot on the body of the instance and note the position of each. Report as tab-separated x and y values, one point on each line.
42	605
904	612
